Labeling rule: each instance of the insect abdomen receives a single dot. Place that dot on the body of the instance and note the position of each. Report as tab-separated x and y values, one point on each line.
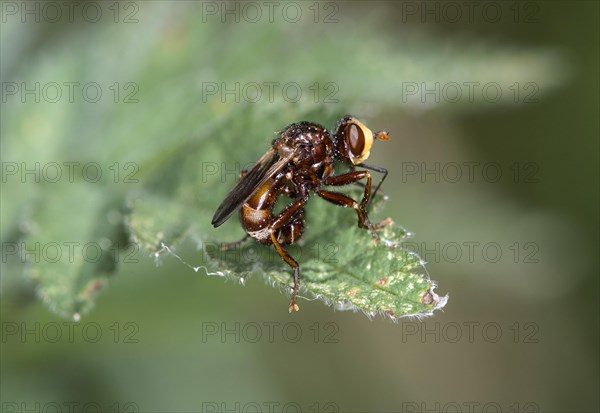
257	216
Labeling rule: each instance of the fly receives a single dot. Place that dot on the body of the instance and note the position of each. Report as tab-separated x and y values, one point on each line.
300	161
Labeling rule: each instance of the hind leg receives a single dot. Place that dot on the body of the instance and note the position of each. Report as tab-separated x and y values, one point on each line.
288	219
231	245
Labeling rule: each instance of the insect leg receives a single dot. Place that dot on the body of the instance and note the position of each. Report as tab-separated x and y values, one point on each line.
290	190
376	169
282	219
231	245
345	201
352	177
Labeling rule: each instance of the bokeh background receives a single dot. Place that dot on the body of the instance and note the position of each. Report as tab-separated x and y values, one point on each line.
517	253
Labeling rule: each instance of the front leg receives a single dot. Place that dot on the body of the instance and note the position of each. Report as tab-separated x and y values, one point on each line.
349	178
376	169
345	201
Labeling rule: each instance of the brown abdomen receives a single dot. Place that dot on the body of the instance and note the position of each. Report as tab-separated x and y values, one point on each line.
257	215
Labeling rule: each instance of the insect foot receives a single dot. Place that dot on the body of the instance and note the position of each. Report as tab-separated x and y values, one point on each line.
293	307
384	223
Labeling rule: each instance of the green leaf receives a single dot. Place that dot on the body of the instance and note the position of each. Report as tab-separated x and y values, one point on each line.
72	246
344	268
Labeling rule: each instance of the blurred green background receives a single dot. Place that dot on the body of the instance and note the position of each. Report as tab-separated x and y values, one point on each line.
520	330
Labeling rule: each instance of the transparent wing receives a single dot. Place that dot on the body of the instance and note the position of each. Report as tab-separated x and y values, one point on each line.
267	166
